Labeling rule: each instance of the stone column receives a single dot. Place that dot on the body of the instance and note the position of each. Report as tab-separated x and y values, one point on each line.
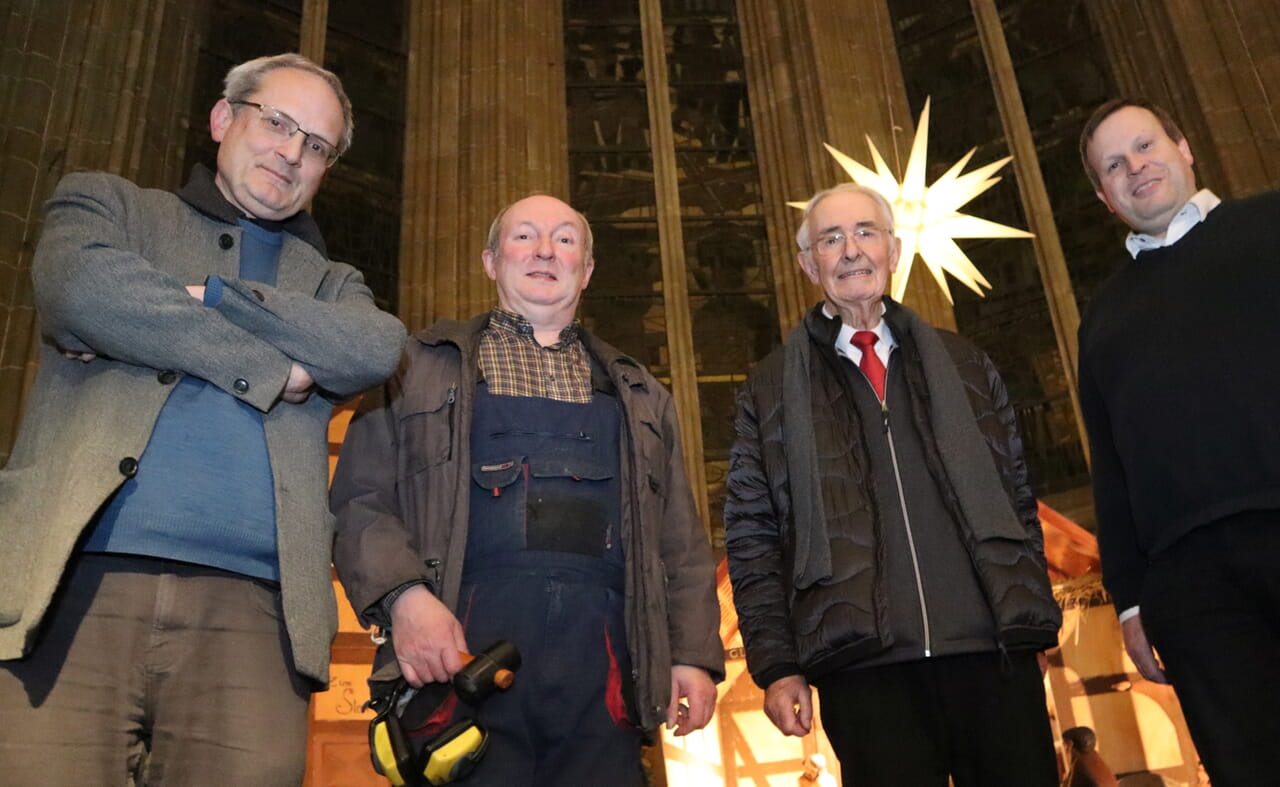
102	86
675	290
823	72
1215	65
484	126
314	30
1058	292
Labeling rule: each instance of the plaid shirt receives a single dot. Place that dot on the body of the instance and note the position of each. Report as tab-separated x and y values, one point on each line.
514	364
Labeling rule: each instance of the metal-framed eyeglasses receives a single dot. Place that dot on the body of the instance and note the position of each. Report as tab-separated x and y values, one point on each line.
830	244
280	125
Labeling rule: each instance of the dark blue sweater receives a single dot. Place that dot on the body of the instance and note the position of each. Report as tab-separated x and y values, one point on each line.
203	492
1179	373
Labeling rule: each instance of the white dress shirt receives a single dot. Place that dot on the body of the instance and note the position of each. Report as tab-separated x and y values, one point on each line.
1191	214
844	340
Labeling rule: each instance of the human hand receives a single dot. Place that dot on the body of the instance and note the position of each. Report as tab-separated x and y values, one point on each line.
788	702
79	356
196	291
427	637
298	388
695	687
1140	650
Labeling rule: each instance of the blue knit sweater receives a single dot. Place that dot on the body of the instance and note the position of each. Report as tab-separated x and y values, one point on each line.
203	492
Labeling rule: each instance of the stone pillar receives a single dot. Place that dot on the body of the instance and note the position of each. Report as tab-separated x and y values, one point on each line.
1215	65
484	126
823	72
102	86
314	30
675	289
1058	292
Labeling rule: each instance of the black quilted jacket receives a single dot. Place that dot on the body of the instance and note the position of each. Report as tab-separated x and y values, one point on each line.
783	628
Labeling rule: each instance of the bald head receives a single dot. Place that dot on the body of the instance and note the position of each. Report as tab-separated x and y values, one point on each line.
495	228
539	256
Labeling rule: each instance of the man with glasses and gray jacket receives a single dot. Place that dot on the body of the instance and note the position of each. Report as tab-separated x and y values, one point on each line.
166	607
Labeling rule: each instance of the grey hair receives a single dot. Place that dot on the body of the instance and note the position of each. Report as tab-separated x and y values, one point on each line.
494	240
243	80
802	234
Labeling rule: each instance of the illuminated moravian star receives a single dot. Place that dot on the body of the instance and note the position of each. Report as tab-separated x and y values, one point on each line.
928	219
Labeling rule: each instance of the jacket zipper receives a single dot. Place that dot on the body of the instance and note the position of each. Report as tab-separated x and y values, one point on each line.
629	449
906	519
451	401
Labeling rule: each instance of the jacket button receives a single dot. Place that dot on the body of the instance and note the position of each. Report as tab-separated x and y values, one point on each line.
128	467
167	376
258	294
241	386
226	241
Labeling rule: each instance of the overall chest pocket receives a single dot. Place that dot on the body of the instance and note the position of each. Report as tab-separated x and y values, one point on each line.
573	506
557	504
429	430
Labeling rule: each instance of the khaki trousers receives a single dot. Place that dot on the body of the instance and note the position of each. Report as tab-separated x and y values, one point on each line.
154	672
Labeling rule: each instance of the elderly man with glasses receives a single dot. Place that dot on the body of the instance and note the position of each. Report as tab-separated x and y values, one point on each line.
882	537
166	606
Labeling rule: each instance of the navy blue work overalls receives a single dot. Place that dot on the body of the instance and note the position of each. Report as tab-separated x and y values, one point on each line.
544	569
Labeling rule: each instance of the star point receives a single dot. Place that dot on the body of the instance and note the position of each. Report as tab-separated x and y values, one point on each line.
928	218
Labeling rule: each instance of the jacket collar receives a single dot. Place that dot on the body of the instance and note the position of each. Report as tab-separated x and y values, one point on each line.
824	330
466	336
202	193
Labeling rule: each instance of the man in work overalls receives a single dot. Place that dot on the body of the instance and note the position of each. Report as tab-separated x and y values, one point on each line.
520	479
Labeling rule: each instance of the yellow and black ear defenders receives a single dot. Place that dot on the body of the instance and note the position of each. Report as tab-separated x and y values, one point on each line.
447	757
453	753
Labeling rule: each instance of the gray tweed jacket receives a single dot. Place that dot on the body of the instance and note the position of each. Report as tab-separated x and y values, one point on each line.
109	277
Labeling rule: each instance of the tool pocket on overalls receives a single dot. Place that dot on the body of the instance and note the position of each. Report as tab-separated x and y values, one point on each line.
498	513
569	505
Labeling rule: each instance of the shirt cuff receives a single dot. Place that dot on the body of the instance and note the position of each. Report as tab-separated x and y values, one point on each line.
390	599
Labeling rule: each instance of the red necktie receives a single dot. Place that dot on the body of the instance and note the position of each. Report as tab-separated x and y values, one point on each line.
870	365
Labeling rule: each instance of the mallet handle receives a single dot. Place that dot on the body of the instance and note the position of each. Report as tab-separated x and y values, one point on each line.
503	678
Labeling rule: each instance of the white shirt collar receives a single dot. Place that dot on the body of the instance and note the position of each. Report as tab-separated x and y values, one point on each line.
1194	212
846	348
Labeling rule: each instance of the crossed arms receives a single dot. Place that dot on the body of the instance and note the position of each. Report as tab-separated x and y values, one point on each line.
120	274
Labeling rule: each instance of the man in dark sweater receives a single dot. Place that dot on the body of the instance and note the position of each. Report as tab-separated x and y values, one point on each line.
1178	375
882	537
